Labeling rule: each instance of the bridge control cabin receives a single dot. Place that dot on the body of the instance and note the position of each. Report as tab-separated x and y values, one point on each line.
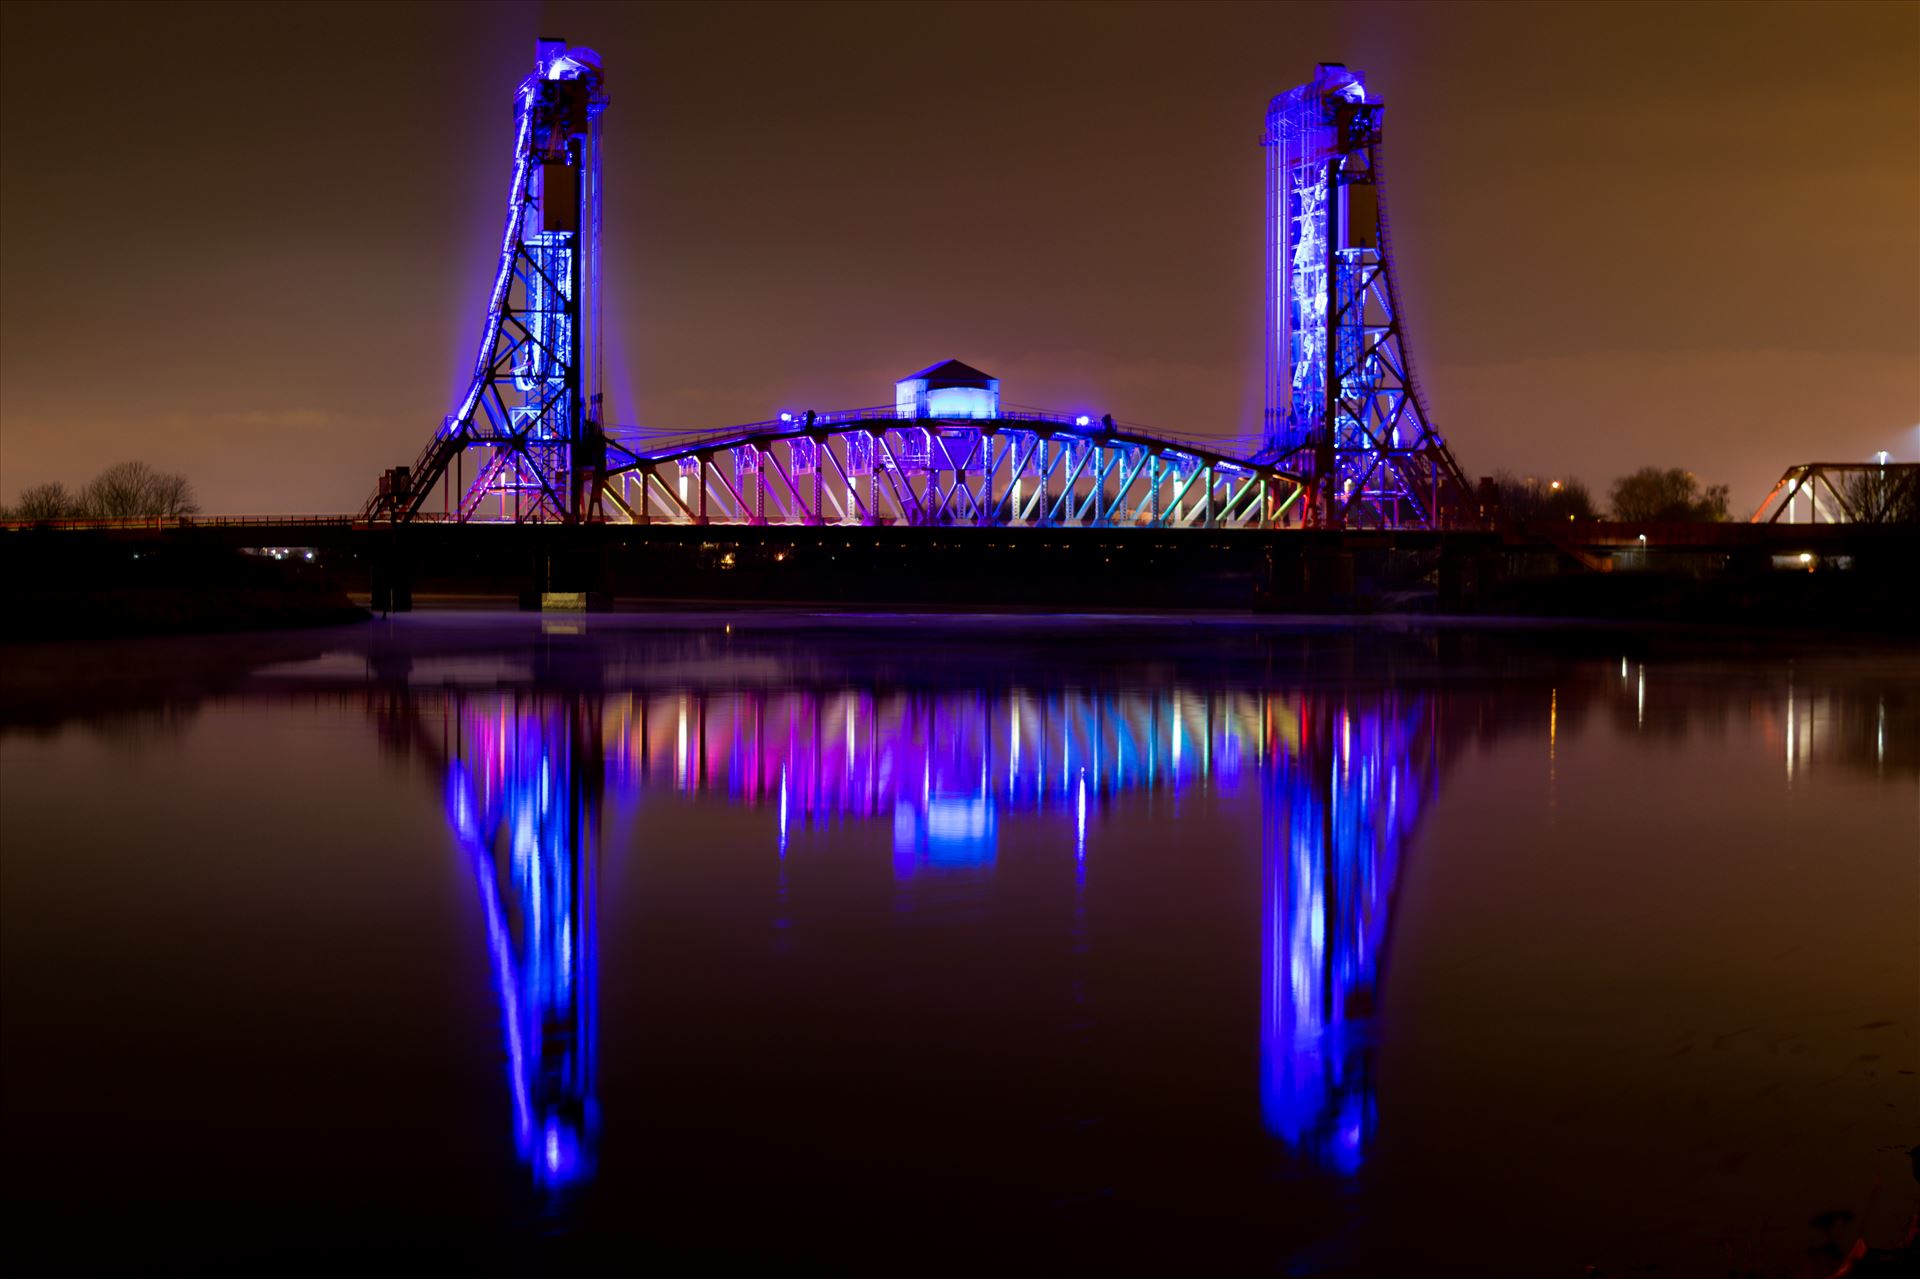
948	389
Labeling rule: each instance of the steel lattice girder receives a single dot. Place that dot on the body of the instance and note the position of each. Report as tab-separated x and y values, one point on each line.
1831	490
1003	472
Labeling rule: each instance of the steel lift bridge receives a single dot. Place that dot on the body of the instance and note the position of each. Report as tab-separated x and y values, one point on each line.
1346	438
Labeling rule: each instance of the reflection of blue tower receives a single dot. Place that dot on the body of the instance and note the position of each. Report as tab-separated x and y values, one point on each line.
1342	785
1339	810
523	796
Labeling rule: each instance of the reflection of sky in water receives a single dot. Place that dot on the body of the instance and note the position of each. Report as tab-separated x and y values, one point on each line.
1340	783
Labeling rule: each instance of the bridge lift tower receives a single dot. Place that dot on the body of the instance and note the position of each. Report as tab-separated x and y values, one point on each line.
532	411
1343	407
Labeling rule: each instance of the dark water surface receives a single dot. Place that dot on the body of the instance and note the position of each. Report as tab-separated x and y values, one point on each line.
903	943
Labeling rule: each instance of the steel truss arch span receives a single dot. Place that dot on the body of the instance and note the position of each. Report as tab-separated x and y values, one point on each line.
874	467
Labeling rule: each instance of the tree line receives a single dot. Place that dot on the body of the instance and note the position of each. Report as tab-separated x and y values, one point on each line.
1651	493
1671	495
125	490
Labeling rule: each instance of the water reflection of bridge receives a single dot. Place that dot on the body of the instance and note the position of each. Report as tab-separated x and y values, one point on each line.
1340	778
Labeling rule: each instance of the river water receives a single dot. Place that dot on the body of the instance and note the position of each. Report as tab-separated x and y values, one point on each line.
907	944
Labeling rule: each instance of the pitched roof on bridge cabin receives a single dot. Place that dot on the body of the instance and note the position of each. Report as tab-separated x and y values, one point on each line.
951	373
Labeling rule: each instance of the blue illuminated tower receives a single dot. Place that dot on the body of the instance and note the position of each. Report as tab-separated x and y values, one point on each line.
531	414
1342	405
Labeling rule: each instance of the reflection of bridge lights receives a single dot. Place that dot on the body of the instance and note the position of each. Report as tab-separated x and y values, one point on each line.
1080	819
852	753
950	832
1334	829
1790	733
560	1155
518	779
1341	785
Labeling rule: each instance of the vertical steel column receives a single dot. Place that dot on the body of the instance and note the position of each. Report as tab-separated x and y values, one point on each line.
1099	486
983	514
1329	413
1046	474
591	224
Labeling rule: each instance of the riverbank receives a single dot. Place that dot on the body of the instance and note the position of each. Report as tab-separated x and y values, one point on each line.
186	579
67	586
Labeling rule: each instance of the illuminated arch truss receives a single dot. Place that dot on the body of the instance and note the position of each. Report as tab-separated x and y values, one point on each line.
872	467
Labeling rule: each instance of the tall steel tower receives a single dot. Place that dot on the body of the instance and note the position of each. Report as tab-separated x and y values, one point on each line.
1343	406
531	413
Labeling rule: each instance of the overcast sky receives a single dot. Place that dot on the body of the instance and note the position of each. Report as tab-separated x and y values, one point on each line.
251	242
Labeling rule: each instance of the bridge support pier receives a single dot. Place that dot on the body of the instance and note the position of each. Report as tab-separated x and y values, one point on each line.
391	576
